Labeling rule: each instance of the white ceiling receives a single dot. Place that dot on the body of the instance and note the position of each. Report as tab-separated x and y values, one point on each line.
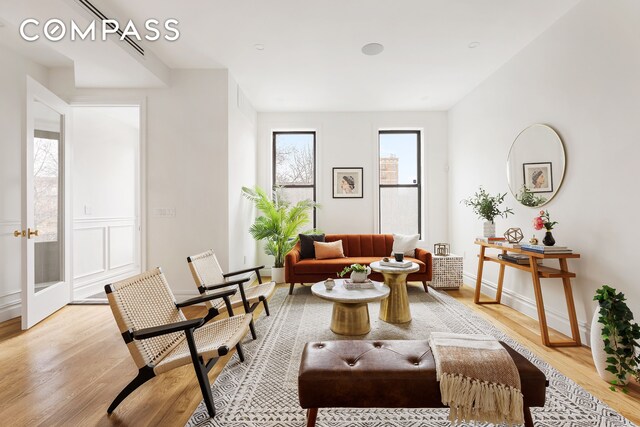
312	59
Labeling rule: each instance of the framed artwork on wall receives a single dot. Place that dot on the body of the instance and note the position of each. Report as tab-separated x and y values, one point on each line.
538	177
347	183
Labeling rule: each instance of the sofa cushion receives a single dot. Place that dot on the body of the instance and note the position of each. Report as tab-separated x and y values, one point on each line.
328	250
333	266
405	243
307	251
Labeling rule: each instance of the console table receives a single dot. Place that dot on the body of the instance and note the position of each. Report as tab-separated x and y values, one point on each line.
537	272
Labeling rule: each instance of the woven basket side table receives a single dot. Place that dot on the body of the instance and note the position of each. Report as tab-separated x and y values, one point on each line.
447	272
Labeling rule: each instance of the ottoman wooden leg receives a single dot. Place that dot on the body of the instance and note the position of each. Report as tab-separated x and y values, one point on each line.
528	420
312	414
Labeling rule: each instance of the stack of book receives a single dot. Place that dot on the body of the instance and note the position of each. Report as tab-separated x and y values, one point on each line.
541	249
508	245
394	263
491	240
516	258
351	285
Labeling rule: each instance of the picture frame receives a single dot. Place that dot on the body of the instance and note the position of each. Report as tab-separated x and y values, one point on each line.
538	177
347	183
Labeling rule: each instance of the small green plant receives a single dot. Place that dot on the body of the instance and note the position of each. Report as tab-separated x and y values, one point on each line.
620	335
358	268
487	206
529	198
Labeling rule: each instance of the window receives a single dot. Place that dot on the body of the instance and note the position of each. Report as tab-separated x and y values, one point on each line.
294	165
400	192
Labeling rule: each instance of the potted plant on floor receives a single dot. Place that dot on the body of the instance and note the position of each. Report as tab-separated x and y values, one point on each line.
278	225
615	339
487	207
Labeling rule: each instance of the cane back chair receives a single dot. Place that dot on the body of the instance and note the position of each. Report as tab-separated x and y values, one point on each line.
208	276
160	338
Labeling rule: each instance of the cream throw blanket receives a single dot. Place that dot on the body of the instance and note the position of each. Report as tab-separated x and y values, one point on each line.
479	380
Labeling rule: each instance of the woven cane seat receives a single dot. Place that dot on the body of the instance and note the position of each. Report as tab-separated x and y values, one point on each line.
209	338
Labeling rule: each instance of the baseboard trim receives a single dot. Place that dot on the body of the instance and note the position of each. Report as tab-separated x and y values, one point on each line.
527	306
10	311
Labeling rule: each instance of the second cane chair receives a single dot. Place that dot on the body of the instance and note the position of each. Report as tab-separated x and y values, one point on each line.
208	276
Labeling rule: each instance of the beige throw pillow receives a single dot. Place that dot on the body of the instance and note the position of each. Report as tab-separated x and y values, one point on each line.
328	250
405	243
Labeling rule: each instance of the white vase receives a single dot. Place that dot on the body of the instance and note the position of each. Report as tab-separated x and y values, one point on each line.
360	276
489	229
597	349
277	274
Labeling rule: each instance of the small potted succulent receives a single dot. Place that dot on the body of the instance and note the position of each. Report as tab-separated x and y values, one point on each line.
358	272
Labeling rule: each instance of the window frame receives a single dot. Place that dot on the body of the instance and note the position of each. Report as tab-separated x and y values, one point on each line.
274	135
418	185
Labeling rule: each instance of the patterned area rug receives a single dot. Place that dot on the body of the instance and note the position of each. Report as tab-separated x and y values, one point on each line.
262	391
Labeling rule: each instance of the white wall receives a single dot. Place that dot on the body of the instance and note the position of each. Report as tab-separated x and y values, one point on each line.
105	172
186	165
580	77
13	74
351	139
242	172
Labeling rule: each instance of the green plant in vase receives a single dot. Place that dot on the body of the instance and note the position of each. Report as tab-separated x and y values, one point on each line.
620	337
487	207
279	224
544	221
358	272
529	198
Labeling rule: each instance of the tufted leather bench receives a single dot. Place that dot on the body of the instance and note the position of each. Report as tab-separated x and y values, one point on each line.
387	374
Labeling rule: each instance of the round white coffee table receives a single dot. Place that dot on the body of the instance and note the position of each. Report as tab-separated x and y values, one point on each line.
350	310
395	309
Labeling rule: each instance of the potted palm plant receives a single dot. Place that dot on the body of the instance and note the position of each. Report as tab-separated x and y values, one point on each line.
278	225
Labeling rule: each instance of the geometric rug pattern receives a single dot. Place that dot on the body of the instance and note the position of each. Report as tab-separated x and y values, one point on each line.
262	391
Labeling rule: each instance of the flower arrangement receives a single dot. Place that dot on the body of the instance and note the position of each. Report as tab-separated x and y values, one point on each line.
358	268
544	221
486	206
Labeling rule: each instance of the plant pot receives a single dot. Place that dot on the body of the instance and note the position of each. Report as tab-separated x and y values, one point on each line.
277	274
360	276
489	229
548	239
597	350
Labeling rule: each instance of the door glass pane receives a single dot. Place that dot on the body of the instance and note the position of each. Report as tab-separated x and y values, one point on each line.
294	159
47	197
399	210
398	158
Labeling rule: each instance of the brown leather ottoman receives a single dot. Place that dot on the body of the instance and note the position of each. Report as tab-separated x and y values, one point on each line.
387	374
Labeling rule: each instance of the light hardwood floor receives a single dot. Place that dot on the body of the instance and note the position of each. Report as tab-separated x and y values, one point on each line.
66	370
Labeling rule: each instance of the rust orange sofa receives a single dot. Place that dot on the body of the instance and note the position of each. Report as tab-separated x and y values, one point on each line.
358	249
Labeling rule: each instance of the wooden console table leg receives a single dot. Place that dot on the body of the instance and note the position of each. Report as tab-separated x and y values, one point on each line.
542	317
476	297
500	281
571	308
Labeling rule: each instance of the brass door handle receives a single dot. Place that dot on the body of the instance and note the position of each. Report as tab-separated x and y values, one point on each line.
32	233
19	233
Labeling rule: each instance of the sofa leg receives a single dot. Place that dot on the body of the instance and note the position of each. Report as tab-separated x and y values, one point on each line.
291	288
312	414
424	285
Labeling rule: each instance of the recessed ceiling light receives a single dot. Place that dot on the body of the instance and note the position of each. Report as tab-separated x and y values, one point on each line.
372	49
474	45
259	46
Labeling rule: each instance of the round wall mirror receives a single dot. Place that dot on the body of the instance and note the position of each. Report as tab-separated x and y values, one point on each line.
535	166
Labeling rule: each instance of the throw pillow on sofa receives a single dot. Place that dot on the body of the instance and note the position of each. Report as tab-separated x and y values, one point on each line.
328	250
307	251
405	243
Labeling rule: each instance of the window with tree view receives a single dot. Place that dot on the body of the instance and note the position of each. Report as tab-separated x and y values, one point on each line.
399	185
294	165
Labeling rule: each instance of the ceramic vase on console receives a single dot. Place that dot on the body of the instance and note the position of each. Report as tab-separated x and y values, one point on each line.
360	276
548	239
597	349
489	229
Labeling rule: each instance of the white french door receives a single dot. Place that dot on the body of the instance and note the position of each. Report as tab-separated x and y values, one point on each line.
46	267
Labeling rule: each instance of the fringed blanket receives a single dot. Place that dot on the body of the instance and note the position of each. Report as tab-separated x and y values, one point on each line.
478	379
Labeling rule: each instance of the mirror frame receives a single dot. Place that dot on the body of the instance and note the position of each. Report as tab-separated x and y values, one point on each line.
564	164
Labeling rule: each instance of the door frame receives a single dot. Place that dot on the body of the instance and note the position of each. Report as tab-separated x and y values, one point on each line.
141	176
55	297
